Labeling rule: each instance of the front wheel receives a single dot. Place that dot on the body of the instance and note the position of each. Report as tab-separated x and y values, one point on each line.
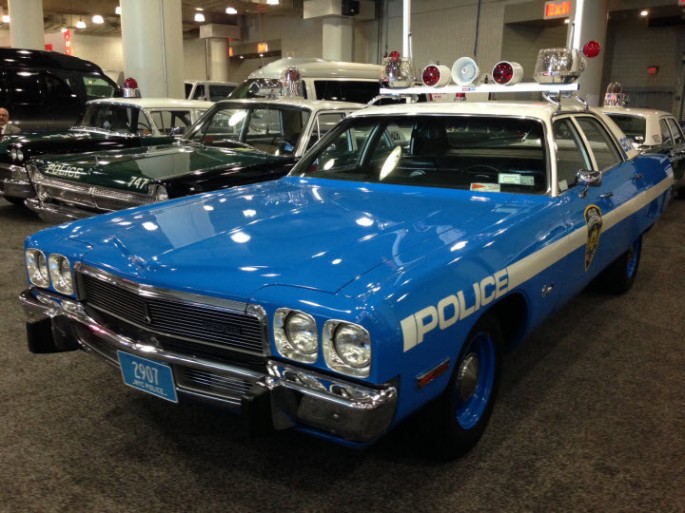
619	277
461	413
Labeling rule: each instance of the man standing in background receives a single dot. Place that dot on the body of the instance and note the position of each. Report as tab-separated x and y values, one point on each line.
5	127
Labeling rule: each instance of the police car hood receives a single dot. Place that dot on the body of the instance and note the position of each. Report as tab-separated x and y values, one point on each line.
316	234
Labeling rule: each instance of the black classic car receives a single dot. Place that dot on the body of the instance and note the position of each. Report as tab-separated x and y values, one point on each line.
113	123
237	142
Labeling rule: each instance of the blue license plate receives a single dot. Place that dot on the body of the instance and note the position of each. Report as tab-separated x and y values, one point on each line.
147	375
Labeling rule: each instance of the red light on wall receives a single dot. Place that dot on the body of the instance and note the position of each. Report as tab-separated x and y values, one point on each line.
652	71
67	42
557	9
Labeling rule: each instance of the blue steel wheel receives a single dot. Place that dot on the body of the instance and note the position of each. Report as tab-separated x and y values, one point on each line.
619	277
459	416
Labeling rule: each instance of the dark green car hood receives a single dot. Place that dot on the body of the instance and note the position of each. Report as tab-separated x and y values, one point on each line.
134	169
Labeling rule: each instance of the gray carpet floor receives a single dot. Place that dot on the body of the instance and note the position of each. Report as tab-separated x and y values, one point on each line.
591	418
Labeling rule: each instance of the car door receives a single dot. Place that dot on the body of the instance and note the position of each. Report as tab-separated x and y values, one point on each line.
599	226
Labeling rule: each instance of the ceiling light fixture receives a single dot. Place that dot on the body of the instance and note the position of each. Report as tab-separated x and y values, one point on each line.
272	2
644	13
98	19
80	24
231	10
117	10
199	17
5	18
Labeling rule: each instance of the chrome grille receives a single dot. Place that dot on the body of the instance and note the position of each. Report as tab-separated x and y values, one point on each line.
211	383
187	327
89	196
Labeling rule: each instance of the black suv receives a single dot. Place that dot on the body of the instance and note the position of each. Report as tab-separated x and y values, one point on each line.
46	91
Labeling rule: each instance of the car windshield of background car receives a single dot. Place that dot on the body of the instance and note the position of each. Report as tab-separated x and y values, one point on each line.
462	152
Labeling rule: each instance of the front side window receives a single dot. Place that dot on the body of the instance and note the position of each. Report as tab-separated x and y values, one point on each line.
571	154
483	153
268	128
97	86
168	120
666	138
676	132
601	143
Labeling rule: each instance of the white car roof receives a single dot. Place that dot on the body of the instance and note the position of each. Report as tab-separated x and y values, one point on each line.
299	102
643	113
541	110
156	103
320	68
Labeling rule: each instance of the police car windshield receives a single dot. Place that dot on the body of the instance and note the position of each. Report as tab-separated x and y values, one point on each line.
463	152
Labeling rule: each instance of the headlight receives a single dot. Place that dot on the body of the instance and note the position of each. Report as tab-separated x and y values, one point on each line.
295	335
13	154
160	193
37	267
347	348
60	274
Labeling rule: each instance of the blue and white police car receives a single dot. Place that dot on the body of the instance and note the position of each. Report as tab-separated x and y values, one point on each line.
390	270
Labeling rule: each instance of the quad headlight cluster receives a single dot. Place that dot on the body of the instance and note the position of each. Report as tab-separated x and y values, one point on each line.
346	346
53	270
16	154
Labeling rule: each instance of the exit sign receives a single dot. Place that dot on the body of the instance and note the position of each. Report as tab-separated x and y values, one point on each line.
559	9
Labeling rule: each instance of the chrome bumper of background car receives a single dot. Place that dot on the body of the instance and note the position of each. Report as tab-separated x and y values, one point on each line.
280	397
52	213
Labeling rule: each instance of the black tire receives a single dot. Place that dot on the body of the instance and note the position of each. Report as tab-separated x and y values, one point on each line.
619	277
459	416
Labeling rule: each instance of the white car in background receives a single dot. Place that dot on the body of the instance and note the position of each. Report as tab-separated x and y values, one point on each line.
654	131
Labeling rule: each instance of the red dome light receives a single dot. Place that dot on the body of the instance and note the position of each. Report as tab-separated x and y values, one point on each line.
431	75
131	83
591	49
502	73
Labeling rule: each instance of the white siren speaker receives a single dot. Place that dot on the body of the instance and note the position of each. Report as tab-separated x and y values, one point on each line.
465	71
507	73
436	75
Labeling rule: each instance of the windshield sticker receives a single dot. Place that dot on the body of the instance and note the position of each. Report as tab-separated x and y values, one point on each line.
485	187
515	179
593	219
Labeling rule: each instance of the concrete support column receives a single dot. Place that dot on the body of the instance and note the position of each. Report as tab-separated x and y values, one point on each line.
26	25
589	22
337	38
218	59
152	34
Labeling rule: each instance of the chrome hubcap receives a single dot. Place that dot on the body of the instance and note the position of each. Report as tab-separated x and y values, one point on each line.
468	376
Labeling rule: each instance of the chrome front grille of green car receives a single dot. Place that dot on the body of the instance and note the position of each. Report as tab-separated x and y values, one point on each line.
173	322
87	196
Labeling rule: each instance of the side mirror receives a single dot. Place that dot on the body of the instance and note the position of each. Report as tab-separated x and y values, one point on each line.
588	178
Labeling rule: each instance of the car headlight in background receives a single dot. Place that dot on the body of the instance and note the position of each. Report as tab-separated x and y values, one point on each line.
16	154
60	274
37	267
347	348
160	193
295	335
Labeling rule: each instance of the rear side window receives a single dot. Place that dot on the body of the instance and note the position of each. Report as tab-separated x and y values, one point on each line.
633	126
675	131
219	92
25	87
346	90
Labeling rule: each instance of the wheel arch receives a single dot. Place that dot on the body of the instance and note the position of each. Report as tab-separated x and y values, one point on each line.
512	315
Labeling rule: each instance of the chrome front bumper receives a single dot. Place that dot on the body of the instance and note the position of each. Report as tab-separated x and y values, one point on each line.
282	396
